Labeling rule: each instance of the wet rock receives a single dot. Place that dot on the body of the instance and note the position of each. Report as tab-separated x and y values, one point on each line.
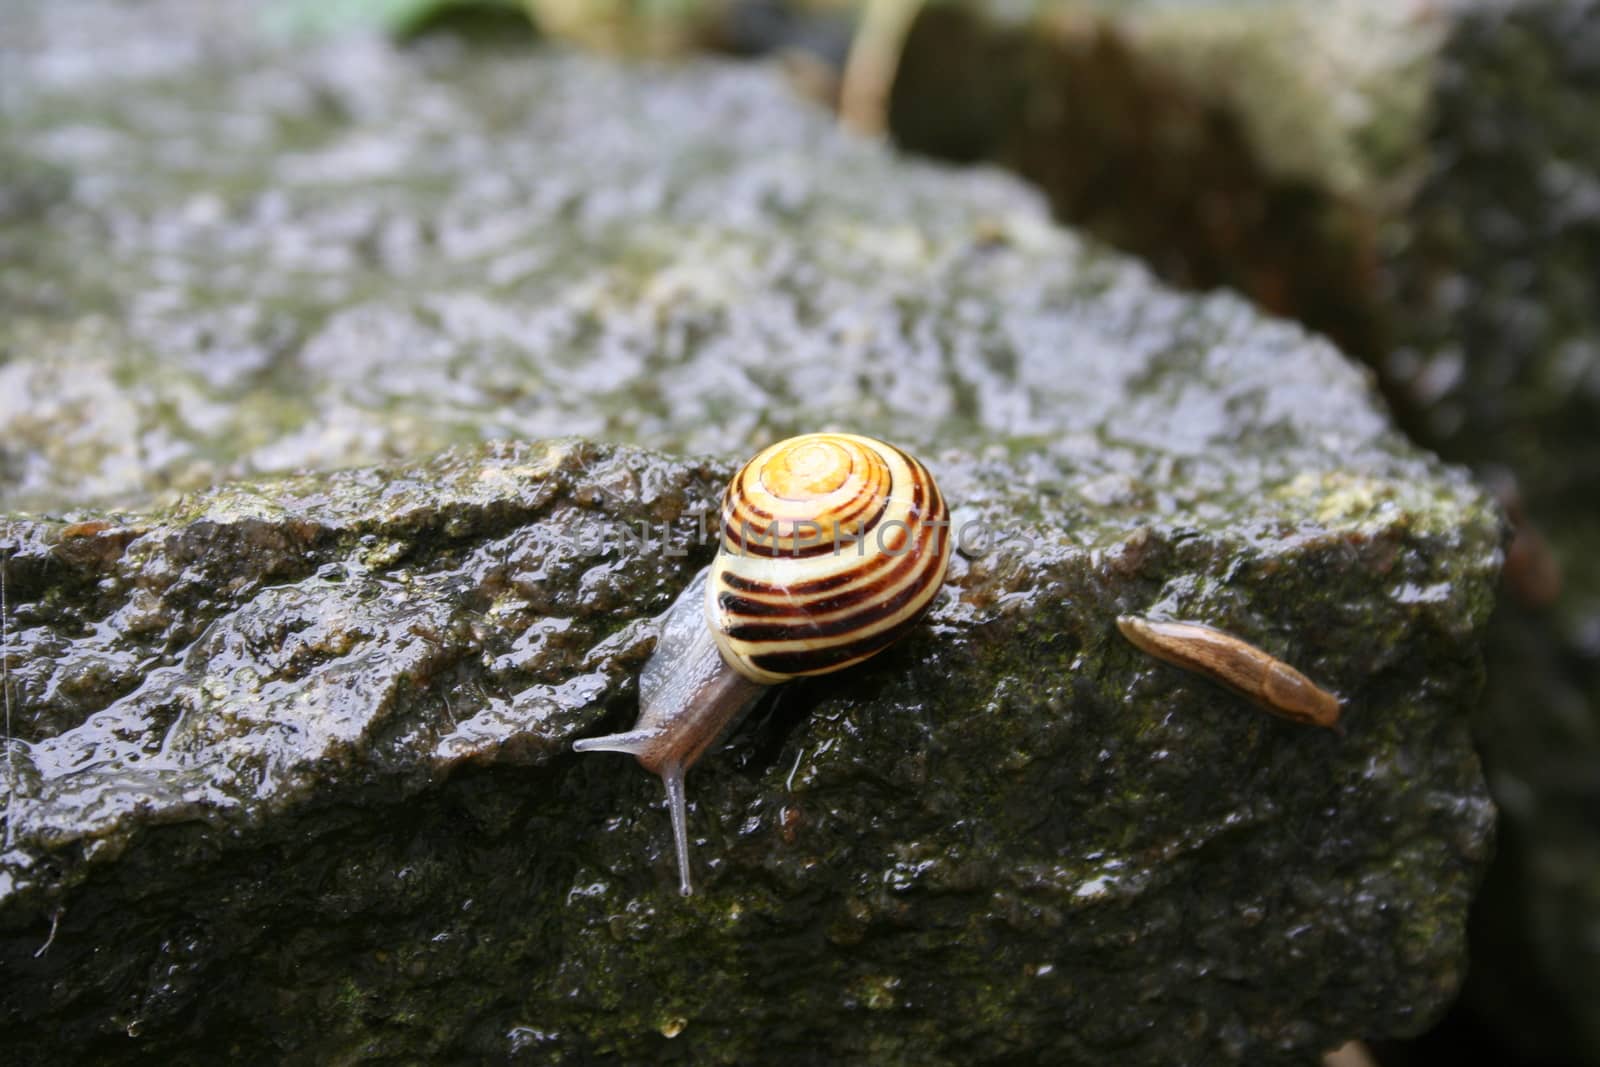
319	728
1419	182
291	772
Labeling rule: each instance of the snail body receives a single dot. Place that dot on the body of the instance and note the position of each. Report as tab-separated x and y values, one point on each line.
832	547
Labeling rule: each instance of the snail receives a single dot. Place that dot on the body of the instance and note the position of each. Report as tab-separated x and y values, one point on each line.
832	547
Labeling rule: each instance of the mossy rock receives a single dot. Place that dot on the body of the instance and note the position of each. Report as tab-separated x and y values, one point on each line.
292	774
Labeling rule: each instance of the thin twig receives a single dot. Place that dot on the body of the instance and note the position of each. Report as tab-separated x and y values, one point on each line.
870	68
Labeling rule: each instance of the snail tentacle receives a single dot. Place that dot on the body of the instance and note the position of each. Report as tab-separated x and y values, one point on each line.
689	697
678	807
633	742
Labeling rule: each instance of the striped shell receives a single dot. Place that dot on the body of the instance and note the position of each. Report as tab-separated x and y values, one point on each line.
833	545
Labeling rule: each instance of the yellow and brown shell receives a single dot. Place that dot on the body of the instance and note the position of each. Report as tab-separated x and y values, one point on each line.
833	545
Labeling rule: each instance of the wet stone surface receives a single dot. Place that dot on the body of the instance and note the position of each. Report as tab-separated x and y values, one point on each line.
291	773
1419	181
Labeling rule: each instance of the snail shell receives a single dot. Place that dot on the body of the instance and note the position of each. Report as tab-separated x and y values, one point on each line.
833	546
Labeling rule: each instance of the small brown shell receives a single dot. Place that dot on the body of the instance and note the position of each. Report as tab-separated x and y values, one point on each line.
833	546
1264	680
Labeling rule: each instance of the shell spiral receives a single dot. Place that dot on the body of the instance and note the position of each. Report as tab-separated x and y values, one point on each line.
833	545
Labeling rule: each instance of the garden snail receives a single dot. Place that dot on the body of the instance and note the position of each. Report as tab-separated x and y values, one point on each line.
833	546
